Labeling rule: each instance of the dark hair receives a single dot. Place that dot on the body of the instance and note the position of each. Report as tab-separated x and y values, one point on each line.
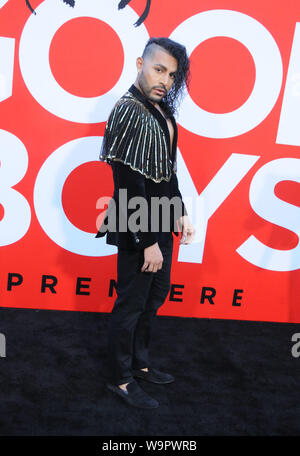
178	51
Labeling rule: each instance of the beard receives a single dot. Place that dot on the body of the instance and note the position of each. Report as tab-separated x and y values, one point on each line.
147	89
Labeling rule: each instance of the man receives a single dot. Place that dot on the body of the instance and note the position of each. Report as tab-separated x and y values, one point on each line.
140	144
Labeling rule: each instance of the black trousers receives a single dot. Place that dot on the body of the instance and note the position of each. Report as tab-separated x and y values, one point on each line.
139	296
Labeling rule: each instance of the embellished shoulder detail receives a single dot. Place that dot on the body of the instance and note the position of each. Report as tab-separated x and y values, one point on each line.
134	137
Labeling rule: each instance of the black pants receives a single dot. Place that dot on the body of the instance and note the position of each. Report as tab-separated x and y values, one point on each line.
139	296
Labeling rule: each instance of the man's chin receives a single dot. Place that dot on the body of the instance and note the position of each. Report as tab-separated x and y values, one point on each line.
155	99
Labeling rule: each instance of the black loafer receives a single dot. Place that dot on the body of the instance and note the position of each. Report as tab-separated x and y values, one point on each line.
153	376
134	396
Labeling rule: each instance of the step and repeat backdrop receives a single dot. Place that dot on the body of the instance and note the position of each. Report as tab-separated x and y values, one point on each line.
63	66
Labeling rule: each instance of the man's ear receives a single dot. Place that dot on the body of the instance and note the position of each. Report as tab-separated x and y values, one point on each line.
139	63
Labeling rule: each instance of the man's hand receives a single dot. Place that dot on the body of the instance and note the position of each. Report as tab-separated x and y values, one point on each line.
153	258
187	230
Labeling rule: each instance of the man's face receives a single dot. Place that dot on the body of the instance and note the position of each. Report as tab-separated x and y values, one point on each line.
156	74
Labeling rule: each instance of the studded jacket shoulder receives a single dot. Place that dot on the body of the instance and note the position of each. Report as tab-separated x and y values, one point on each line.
135	137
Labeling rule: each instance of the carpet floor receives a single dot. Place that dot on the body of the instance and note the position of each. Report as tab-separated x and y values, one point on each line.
233	378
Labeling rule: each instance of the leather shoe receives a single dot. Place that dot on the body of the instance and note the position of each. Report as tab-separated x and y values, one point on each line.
153	375
134	396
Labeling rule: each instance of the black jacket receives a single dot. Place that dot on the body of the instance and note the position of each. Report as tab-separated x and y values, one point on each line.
139	185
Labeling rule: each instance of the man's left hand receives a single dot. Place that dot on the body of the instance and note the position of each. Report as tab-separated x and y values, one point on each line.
187	230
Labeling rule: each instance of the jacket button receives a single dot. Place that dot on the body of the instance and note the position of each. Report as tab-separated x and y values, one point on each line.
137	240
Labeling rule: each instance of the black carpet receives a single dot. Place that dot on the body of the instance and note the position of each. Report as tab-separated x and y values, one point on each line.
233	378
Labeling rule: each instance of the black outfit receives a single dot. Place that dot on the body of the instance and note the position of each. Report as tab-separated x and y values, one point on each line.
137	146
140	294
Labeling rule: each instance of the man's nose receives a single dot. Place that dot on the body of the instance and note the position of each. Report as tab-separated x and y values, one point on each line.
164	80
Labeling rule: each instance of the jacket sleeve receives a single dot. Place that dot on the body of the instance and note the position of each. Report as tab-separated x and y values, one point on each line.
134	182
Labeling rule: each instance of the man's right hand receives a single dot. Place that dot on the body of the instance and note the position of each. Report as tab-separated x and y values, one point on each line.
153	258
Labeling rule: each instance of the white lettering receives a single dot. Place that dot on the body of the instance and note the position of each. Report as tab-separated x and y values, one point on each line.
265	203
48	193
7	53
216	192
34	57
266	55
288	130
14	164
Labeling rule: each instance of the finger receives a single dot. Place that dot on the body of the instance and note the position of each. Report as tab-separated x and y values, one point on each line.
145	265
190	238
150	268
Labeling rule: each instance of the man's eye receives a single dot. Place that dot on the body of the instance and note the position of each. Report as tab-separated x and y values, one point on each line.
158	69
